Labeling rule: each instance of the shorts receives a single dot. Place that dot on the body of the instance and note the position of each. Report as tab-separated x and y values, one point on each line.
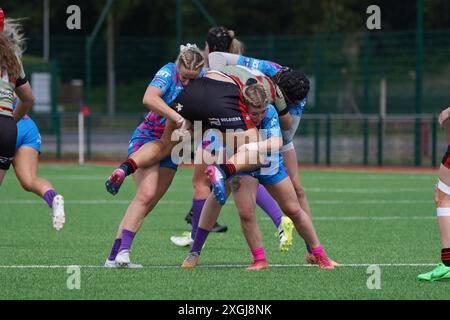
446	159
8	138
266	179
28	135
136	142
216	103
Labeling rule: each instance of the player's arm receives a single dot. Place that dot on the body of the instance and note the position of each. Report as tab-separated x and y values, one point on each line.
444	116
285	121
26	99
270	134
156	89
219	60
153	101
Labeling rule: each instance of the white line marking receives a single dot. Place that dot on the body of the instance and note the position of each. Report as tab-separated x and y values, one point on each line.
318	202
216	266
370	218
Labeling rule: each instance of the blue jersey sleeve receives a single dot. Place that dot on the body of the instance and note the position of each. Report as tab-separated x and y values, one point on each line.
269	68
298	109
164	78
270	125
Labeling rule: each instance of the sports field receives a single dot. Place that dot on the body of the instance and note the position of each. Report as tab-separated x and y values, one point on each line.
362	218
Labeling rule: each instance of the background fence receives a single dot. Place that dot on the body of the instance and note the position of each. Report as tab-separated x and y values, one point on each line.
343	113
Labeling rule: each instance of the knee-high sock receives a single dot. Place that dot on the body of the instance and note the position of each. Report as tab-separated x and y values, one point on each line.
127	239
268	204
115	249
200	239
197	206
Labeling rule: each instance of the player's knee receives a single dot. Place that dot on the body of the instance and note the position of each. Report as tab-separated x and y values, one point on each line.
147	199
300	191
246	213
27	184
293	211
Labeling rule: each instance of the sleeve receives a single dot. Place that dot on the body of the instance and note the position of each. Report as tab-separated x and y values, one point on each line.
164	77
219	60
269	68
271	124
22	78
298	109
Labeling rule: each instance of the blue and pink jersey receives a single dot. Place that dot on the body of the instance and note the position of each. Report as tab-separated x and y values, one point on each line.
168	81
271	69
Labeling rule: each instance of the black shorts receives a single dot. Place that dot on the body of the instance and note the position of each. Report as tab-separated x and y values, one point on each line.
446	159
8	138
217	104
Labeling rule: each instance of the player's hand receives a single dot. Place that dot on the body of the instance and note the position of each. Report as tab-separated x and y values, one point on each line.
180	122
444	116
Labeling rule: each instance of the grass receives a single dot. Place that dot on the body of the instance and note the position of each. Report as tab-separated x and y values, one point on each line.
362	218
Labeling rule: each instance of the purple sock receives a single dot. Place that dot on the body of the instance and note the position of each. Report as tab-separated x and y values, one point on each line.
115	249
197	206
48	197
127	239
268	204
308	248
200	239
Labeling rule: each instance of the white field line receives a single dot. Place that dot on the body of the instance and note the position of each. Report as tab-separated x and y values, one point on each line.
224	266
115	202
363	175
351	218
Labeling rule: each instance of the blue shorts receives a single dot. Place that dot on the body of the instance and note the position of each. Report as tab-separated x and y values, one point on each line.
266	179
28	135
136	142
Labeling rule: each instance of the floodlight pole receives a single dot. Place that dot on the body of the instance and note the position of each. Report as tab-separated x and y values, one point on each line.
46	35
89	41
419	79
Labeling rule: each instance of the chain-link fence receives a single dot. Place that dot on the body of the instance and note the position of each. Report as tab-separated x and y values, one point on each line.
346	70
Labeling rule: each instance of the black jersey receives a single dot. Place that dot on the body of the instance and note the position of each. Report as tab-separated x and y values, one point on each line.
218	104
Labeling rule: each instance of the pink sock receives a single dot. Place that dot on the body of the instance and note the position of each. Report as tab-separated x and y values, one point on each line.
258	254
318	251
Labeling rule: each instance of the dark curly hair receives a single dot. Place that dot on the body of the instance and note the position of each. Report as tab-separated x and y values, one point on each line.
218	39
293	83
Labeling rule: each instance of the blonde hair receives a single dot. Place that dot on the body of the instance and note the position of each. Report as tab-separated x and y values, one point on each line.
8	58
236	46
14	31
190	57
255	96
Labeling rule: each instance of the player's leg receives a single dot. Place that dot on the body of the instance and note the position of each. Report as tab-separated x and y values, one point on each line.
202	190
8	139
284	193
283	223
208	218
148	155
291	163
152	183
442	199
26	168
244	190
2	175
242	161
